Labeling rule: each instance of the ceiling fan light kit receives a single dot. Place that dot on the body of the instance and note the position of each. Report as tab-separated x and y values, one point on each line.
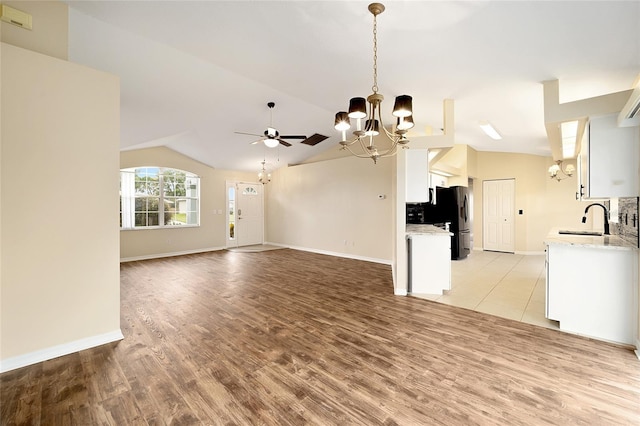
272	137
364	139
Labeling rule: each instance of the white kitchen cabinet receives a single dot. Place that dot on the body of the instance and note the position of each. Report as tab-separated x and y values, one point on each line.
609	160
417	175
592	290
430	263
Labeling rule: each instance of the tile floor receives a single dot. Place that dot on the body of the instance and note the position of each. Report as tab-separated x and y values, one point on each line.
502	284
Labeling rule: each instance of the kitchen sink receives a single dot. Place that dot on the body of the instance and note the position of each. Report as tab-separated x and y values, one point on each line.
588	233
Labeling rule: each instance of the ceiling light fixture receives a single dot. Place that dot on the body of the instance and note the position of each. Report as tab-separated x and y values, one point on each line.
569	135
490	130
556	169
264	177
373	124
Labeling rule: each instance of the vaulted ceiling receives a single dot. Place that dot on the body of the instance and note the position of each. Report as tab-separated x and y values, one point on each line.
194	73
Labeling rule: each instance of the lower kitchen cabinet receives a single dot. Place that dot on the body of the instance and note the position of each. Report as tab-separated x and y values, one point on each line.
593	291
430	263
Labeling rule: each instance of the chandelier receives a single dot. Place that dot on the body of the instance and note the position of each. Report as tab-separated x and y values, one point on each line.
264	177
362	145
556	170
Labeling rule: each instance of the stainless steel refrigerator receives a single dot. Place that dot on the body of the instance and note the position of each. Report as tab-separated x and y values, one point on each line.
454	206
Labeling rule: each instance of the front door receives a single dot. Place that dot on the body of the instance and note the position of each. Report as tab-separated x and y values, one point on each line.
249	224
498	208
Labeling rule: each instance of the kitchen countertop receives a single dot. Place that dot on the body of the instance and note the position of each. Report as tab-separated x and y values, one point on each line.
603	241
417	229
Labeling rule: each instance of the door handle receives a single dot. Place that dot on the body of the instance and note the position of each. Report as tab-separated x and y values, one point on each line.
464	208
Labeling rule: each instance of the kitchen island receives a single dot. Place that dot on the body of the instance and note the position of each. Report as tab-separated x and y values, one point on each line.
592	285
429	259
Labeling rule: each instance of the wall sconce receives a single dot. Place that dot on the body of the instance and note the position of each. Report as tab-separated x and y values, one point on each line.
556	170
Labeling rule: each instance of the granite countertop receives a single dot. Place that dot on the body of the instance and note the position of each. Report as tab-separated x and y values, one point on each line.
416	229
603	241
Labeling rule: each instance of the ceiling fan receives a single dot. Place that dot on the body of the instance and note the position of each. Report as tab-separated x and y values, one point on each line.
271	136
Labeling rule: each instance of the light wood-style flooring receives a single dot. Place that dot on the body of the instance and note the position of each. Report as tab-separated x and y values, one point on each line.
503	284
286	337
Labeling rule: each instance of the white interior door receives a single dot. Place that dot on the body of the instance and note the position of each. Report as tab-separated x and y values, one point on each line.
498	208
249	226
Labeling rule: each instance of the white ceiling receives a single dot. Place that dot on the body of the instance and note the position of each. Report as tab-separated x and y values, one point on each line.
193	73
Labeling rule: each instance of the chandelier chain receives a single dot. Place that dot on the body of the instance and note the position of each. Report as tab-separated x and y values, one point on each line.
375	55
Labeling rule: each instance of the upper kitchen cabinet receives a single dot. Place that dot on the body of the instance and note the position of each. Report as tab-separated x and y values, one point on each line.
417	175
609	159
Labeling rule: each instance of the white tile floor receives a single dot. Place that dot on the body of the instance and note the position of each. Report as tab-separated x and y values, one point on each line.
502	284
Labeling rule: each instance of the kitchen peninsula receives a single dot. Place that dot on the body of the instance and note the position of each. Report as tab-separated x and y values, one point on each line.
429	259
592	285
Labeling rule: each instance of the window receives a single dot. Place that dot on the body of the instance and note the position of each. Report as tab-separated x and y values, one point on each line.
232	214
158	197
249	190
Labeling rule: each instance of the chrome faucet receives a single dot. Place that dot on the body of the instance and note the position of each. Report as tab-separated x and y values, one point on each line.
606	216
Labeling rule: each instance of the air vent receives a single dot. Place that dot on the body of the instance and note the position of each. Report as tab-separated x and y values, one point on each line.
15	17
314	139
633	109
630	113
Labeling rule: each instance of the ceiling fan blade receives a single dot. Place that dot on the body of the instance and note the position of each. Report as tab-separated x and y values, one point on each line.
293	137
314	139
285	143
243	133
257	141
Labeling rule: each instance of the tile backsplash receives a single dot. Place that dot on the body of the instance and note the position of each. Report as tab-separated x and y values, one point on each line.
627	226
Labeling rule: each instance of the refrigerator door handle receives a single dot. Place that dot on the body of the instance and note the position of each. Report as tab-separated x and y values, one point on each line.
464	208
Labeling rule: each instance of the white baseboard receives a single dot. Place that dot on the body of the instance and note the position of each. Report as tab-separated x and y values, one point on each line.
59	350
637	351
334	253
400	291
175	253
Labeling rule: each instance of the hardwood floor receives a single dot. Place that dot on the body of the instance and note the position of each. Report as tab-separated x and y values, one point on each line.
286	337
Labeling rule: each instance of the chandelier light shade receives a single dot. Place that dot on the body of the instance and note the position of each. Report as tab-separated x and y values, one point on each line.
372	128
403	106
362	144
404	123
358	108
342	121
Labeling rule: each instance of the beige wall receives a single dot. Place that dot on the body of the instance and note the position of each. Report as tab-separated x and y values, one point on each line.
59	276
50	33
321	205
546	203
457	159
210	235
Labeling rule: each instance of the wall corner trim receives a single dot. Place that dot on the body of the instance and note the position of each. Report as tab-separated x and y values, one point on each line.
59	350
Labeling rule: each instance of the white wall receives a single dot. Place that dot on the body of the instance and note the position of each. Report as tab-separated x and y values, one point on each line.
333	206
59	279
210	235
